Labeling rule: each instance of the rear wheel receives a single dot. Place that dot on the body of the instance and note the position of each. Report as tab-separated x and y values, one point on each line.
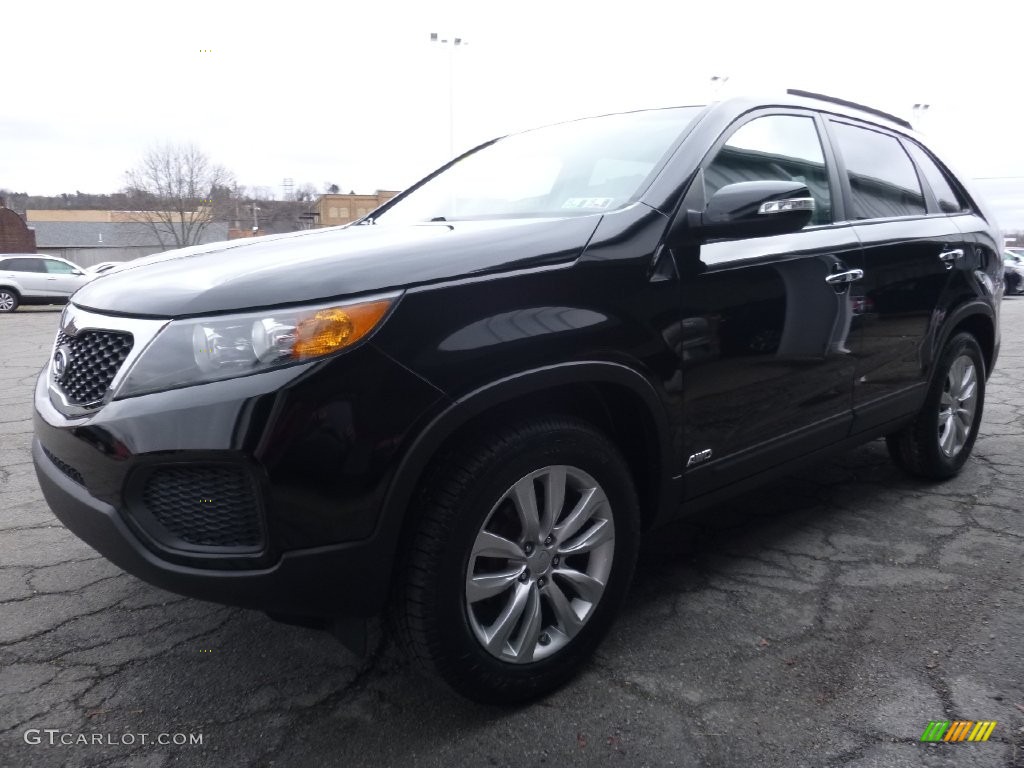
523	553
938	442
8	300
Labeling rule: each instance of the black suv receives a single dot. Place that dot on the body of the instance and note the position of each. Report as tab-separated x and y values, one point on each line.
469	406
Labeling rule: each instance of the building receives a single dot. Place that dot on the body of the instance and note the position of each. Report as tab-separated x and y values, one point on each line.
90	237
15	235
332	210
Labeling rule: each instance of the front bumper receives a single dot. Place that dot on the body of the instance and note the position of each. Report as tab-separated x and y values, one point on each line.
316	446
341	579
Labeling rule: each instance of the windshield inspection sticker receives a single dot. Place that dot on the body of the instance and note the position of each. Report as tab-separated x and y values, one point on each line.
588	202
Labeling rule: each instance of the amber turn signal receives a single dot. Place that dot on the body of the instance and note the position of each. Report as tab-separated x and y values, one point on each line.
329	330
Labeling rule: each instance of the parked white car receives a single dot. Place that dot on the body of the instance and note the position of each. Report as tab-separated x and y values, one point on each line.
35	278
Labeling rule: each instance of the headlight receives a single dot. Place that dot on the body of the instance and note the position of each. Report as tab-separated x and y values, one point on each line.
208	349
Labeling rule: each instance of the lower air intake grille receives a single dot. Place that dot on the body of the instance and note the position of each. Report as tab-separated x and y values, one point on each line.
204	506
95	357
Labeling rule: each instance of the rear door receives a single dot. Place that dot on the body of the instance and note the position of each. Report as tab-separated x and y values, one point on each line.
30	274
910	253
767	373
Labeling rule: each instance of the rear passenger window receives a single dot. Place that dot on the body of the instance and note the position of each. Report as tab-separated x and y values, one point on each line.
25	265
774	148
949	201
883	182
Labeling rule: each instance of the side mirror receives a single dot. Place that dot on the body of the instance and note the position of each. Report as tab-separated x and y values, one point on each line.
754	209
77	272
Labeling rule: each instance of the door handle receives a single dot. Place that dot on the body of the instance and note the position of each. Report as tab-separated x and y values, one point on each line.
949	257
51	278
841	278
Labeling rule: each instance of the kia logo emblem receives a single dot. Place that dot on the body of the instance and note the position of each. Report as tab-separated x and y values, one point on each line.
61	360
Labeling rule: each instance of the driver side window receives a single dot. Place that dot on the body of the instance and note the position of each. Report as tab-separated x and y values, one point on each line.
774	148
58	267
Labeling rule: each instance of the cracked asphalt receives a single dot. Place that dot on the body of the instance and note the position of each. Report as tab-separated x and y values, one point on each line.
821	621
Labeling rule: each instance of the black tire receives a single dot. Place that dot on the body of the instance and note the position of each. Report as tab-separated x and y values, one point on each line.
9	300
916	448
431	609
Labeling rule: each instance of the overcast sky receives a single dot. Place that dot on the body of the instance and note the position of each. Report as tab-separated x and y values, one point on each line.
357	95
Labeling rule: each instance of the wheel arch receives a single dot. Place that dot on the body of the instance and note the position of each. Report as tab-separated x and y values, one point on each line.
978	319
617	398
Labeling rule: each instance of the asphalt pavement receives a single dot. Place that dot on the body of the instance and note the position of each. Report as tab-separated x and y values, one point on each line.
824	620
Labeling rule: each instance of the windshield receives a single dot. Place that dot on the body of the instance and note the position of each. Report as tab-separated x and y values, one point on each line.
581	167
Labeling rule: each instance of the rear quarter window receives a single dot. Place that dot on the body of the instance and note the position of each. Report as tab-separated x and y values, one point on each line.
946	195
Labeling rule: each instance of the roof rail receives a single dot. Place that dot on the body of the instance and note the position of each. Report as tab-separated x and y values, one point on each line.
851	104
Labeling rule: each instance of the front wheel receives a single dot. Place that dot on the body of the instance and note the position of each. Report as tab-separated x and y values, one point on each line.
525	546
938	442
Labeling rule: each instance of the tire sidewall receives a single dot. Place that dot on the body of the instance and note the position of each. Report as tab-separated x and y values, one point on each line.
579	448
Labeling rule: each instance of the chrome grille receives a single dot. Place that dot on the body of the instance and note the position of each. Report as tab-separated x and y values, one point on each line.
95	358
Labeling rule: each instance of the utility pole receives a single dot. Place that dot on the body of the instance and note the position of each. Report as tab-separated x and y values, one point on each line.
455	42
255	219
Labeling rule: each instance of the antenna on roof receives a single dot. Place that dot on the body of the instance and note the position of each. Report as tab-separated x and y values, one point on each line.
850	104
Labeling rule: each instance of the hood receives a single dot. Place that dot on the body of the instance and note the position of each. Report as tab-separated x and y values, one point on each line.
329	263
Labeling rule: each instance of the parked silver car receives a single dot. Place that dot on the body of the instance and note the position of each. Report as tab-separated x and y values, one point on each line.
35	278
1013	272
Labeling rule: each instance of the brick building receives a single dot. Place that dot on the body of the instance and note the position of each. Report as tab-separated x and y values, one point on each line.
332	210
15	235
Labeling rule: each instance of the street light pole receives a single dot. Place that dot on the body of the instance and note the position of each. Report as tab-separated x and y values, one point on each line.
452	44
919	111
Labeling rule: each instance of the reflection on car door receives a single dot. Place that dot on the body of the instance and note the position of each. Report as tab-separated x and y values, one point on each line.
909	256
767	371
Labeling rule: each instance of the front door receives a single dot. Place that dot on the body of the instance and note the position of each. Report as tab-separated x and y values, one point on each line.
61	279
767	370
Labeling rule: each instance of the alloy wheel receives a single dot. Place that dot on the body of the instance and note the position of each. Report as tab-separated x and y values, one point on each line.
957	405
6	301
540	564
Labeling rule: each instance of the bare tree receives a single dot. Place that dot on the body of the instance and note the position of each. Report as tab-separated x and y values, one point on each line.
185	189
306	193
